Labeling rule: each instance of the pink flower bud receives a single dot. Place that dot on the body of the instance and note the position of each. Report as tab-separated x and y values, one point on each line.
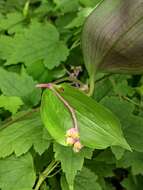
77	146
70	141
73	132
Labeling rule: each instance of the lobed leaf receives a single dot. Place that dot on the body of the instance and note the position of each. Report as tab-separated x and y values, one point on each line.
20	136
17	173
10	103
70	161
13	84
36	43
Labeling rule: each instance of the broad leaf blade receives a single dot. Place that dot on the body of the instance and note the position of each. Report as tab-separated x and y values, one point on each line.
112	37
99	128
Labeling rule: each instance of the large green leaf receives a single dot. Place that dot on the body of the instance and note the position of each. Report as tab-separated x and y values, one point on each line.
17	173
99	128
112	37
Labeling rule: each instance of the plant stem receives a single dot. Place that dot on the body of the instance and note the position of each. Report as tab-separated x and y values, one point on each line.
72	79
45	174
91	86
132	101
71	110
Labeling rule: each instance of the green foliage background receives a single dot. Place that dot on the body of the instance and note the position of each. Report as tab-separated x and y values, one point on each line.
39	43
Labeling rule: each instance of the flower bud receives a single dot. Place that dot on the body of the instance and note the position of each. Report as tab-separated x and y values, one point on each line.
77	146
70	141
73	132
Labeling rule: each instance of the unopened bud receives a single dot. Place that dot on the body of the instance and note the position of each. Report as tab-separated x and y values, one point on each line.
73	132
77	146
70	141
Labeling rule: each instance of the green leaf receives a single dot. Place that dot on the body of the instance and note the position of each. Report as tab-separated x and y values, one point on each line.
105	156
12	103
111	39
38	42
133	183
118	152
88	3
103	88
20	136
78	21
101	168
66	5
123	89
12	22
133	160
71	162
132	125
13	84
98	127
40	73
86	180
17	173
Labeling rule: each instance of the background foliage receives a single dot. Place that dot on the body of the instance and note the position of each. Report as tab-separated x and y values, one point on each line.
40	43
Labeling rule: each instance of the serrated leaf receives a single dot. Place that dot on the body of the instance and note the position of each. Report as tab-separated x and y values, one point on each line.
12	103
12	22
13	84
103	88
78	21
132	125
102	164
133	160
71	162
66	5
118	152
86	180
98	127
20	136
105	156
17	173
133	183
38	42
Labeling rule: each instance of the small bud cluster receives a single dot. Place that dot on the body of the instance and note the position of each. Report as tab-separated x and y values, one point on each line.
73	139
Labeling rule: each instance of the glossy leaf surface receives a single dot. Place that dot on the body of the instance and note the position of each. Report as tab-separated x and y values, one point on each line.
99	128
112	38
